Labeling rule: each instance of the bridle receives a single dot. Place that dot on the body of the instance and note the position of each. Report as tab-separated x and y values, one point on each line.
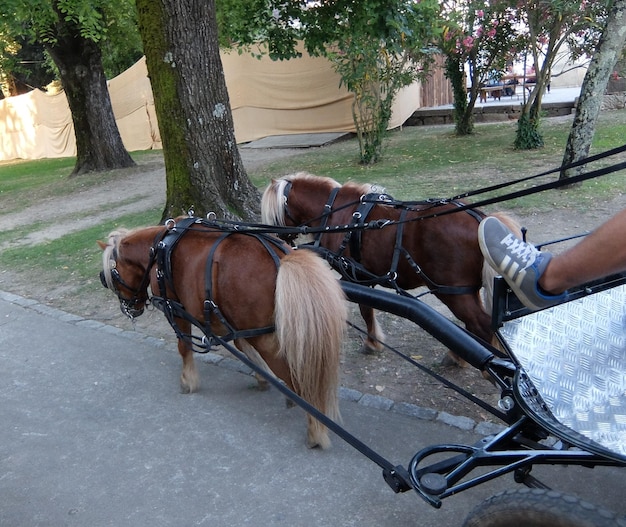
139	295
328	210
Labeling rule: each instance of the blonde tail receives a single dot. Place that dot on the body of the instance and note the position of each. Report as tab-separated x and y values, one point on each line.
310	322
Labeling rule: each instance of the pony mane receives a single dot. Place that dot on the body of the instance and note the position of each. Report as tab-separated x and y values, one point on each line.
272	203
363	188
109	252
274	200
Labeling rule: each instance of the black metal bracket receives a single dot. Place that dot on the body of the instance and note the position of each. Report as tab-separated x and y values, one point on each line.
510	451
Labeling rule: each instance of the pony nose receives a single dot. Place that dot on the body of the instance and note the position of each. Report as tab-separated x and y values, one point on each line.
103	280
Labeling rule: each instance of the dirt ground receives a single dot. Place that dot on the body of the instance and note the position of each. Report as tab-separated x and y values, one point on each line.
383	374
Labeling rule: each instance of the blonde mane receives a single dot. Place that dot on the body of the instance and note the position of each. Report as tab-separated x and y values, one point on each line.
108	255
274	199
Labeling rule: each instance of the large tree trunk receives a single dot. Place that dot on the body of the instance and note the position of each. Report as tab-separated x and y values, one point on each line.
203	166
99	145
593	88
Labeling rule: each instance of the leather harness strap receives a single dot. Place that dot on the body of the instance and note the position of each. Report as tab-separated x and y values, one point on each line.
352	269
328	210
173	309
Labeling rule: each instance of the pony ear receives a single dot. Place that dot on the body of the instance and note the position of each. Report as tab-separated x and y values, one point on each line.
101	244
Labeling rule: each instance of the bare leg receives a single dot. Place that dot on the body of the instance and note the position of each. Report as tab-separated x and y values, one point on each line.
601	253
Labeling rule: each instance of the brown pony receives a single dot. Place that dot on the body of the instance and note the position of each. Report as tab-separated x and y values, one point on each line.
441	253
254	282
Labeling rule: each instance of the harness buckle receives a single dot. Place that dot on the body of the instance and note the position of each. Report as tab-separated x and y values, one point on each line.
210	306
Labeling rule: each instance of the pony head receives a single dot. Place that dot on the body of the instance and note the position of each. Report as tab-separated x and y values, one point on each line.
127	279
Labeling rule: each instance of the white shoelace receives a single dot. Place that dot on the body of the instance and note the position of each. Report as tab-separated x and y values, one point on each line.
526	252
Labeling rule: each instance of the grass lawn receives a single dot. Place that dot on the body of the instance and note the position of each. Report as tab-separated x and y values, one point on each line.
424	162
419	162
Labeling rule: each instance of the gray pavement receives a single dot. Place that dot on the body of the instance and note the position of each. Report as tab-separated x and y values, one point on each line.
95	433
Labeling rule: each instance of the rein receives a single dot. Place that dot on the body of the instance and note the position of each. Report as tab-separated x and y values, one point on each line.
562	168
379	224
396	476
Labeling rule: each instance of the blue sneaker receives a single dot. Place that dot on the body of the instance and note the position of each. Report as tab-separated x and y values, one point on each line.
519	263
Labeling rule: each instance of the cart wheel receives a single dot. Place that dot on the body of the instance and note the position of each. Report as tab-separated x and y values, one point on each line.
540	508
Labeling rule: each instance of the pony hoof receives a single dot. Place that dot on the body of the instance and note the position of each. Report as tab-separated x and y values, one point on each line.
451	360
262	385
322	444
368	349
187	388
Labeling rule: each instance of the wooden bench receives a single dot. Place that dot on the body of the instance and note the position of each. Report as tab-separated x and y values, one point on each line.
495	91
529	86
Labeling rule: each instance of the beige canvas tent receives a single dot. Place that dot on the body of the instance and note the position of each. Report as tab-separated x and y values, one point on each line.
267	98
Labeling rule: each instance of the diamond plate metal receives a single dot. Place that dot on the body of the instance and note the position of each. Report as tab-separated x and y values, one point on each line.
575	355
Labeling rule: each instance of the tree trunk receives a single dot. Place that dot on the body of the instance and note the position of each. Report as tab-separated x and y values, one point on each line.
593	88
463	111
99	145
202	162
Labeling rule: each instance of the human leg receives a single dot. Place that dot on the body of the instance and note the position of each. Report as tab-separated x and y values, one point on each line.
599	254
540	279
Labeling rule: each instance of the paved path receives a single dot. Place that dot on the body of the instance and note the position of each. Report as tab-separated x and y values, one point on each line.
94	433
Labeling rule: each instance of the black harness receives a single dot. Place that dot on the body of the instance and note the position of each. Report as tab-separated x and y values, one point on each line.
173	309
352	269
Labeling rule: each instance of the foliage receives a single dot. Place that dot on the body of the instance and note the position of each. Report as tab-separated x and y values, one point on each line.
483	36
464	121
549	27
25	66
376	46
528	136
110	23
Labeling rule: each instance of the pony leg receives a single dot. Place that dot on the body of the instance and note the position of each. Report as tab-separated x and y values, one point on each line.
375	336
316	434
251	352
189	378
275	366
469	309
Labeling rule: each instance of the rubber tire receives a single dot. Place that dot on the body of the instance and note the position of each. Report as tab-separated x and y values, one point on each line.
526	507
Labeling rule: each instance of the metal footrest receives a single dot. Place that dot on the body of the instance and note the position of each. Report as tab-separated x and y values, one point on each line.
573	360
